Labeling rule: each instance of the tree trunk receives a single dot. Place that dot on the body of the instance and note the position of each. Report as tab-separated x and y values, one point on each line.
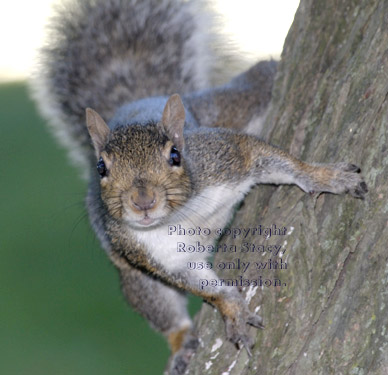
330	314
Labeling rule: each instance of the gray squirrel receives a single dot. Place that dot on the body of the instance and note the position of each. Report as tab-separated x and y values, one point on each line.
157	159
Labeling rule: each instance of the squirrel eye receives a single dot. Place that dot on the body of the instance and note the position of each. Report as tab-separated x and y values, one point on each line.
175	157
101	168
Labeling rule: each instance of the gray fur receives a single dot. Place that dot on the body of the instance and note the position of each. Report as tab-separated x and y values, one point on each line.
144	111
105	53
235	104
171	315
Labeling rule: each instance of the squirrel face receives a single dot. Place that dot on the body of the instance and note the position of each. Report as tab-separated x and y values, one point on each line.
144	177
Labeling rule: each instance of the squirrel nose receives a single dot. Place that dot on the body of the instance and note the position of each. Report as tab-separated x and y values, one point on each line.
143	200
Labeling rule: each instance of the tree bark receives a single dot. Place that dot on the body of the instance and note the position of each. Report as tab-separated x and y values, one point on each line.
330	314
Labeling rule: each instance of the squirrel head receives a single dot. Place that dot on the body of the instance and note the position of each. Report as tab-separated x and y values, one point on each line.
144	177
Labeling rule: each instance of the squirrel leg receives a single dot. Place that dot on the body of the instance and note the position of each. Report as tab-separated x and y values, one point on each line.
230	303
276	166
165	309
163	306
243	159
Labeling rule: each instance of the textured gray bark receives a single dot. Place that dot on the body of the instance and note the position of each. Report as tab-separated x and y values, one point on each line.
329	105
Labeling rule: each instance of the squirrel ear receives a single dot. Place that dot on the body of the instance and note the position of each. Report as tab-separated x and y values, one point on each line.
98	130
173	120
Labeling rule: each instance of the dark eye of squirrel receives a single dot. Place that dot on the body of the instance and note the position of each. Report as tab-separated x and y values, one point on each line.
175	157
101	168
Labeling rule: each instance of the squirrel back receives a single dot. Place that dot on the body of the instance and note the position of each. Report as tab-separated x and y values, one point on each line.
105	53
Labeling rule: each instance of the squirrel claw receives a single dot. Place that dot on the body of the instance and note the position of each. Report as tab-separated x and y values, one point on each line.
245	342
247	345
256	321
360	190
352	168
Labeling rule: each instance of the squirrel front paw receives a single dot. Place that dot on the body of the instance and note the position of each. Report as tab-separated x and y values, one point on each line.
347	179
236	321
337	178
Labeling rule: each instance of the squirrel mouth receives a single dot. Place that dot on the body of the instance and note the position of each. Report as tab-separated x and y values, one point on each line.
146	221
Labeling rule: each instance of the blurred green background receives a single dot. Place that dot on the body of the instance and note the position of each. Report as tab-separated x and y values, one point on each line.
61	309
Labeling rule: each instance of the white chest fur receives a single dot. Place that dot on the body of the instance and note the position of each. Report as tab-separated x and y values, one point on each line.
211	209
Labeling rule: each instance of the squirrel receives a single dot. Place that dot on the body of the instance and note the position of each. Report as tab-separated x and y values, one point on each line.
107	82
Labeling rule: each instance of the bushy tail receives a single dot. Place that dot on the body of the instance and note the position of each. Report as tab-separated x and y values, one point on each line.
103	53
